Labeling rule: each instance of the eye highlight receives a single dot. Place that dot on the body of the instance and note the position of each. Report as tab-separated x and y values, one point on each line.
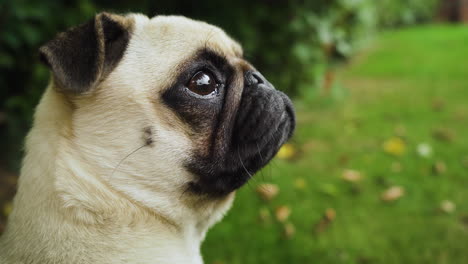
203	83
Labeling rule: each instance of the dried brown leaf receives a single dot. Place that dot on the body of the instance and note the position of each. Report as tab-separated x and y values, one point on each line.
351	175
439	168
443	134
267	191
282	213
447	206
330	214
327	218
393	193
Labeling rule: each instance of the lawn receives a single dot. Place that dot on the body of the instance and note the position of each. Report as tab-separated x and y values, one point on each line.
403	123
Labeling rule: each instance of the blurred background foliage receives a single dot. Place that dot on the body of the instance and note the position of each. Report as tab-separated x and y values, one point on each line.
296	44
377	171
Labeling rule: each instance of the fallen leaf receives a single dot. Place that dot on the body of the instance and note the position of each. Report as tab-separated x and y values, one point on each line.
447	206
424	150
300	184
330	214
393	193
439	168
289	230
394	146
287	151
267	191
282	213
443	134
328	217
351	175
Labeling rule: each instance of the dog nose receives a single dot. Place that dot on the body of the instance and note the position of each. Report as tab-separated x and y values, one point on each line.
254	78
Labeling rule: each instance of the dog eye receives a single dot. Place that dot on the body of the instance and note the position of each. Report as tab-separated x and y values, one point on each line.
203	83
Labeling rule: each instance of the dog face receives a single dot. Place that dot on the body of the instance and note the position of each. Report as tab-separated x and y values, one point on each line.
165	107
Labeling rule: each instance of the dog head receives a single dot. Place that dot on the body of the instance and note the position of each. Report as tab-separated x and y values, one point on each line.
165	107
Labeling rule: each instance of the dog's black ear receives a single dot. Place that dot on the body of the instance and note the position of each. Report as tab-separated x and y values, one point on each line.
84	55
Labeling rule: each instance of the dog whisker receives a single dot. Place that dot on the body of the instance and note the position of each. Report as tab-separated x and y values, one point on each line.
262	175
126	157
259	153
242	163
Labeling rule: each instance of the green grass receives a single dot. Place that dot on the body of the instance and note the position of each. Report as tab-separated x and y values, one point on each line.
394	86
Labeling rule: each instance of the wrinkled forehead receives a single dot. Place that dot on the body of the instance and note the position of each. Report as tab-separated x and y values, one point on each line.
159	47
186	35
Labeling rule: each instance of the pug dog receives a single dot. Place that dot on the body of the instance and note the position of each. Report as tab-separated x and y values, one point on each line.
147	128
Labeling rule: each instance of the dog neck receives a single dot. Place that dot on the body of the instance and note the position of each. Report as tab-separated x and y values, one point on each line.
64	214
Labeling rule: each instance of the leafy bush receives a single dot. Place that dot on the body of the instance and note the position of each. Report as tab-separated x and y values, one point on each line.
325	37
394	13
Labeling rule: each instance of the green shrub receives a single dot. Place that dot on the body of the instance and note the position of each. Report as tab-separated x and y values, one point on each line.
393	13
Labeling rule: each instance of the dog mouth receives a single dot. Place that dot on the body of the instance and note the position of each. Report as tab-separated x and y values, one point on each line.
265	120
260	131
